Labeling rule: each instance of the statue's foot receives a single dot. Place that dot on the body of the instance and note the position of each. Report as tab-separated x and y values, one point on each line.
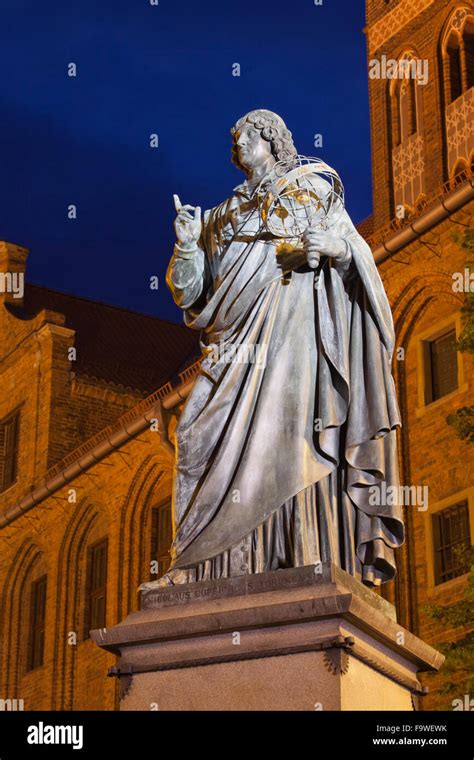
171	578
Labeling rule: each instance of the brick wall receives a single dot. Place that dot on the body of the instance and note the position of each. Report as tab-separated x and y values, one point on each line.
114	500
115	497
422	34
418	281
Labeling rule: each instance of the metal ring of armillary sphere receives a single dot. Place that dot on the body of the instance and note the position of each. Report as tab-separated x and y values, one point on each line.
300	193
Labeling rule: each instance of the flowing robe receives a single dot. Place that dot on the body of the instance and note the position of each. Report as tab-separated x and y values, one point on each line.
277	459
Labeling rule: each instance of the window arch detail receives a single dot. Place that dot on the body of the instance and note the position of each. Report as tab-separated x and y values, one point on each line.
407	140
457	55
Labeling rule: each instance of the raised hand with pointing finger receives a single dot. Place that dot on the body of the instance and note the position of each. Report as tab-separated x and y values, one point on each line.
187	273
187	225
329	350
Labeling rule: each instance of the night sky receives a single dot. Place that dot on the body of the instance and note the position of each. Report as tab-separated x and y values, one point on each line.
163	69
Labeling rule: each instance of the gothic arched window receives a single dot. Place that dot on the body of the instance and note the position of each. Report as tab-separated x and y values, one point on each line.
406	111
468	44
161	537
412	115
453	52
457	53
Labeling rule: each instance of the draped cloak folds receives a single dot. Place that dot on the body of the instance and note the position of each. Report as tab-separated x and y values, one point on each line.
321	404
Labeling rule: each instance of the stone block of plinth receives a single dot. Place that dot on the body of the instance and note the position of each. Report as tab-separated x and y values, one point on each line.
308	638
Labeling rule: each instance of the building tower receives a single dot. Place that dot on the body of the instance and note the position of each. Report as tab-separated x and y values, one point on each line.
421	85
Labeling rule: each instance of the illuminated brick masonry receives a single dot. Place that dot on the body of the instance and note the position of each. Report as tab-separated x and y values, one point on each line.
86	450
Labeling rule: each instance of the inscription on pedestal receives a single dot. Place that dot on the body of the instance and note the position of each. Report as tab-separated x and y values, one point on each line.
238	586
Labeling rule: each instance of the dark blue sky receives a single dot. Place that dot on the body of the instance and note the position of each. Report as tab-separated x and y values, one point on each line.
163	69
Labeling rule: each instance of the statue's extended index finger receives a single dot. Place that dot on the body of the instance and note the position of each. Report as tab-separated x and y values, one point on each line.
177	203
197	214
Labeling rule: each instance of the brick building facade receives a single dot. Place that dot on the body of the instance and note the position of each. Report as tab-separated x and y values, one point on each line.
422	161
85	452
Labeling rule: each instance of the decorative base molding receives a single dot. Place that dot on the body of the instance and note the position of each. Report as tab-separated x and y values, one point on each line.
297	639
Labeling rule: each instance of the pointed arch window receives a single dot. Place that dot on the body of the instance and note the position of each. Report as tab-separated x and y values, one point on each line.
412	115
406	100
407	135
457	88
96	587
468	44
37	623
453	51
161	538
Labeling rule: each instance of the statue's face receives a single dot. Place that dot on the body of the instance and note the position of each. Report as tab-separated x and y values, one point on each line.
252	149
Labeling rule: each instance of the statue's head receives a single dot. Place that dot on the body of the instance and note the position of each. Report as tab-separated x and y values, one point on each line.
258	136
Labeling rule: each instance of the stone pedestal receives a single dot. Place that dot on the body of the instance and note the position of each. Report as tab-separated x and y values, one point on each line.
307	638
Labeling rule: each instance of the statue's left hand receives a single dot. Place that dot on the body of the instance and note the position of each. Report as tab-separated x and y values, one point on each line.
317	243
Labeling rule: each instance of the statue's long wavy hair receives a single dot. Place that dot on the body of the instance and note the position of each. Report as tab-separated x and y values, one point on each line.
271	128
